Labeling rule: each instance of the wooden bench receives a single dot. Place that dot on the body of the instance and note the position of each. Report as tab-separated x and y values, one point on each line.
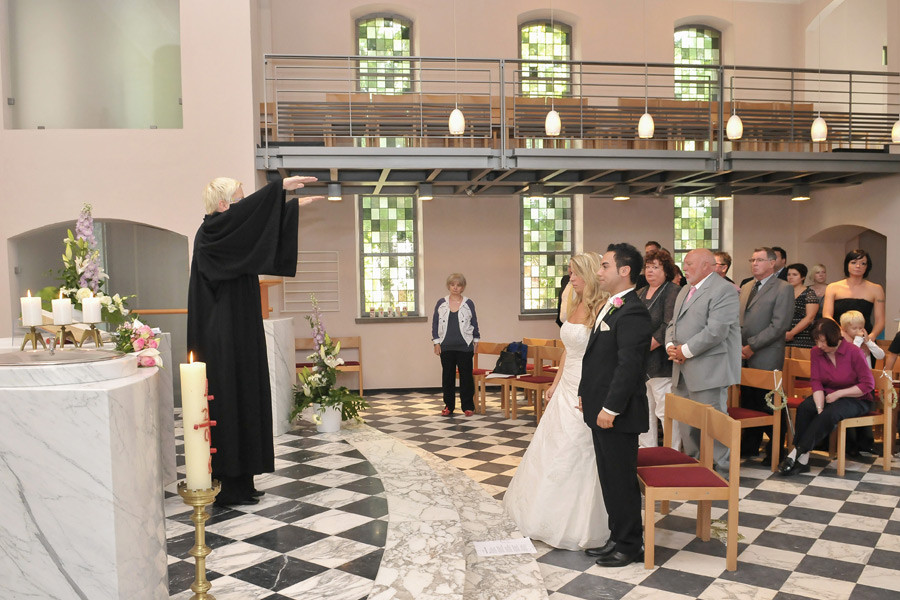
347	343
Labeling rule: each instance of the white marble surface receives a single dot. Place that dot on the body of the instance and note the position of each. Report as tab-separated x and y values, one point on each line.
36	376
81	492
282	370
435	512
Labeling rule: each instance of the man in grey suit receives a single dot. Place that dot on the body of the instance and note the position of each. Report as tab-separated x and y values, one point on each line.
703	339
767	305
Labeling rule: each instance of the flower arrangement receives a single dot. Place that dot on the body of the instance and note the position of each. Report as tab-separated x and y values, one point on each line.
82	275
316	385
137	338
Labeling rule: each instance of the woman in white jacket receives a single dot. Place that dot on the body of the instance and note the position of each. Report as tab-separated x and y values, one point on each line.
454	331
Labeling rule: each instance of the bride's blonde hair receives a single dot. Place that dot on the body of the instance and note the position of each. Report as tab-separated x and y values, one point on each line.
586	265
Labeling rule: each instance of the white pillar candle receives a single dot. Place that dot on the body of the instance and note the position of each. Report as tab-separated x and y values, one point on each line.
195	411
31	311
90	310
62	311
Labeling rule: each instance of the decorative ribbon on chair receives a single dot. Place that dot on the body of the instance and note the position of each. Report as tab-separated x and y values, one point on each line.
887	376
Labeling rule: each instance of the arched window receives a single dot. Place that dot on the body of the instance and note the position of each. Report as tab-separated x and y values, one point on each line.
547	245
697	44
384	36
697	225
546	44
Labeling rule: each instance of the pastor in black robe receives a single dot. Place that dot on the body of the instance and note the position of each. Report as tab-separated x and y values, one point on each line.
256	235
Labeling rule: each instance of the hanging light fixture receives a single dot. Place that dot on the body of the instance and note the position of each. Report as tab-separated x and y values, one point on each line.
621	192
819	130
645	125
334	192
735	127
895	131
723	192
552	123
800	193
457	121
426	191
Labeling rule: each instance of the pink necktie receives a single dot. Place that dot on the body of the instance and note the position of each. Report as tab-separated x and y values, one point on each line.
691	293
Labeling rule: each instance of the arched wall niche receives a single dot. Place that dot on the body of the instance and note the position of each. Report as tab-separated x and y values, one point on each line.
148	262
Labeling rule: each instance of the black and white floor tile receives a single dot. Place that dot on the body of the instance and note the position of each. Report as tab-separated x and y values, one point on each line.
320	531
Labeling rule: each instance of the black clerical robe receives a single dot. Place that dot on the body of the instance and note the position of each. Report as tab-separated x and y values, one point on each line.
255	235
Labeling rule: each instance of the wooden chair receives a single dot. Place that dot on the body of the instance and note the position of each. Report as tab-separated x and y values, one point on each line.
769	381
506	391
882	415
796	389
347	343
537	383
696	482
800	353
480	373
539	342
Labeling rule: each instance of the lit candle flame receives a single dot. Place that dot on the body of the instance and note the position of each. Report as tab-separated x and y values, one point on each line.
191	357
29	293
60	293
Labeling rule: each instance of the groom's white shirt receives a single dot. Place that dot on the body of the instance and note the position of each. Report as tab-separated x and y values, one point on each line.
603	312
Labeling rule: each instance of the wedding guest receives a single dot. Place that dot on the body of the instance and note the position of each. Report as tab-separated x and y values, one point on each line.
454	331
723	263
239	239
856	292
679	277
659	297
853	327
650	245
842	385
818	278
806	305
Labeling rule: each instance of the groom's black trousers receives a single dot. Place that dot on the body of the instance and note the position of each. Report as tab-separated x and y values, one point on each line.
617	467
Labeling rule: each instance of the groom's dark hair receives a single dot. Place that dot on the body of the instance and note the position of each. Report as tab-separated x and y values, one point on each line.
627	256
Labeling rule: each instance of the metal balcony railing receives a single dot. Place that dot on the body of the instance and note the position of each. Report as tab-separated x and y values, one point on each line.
342	101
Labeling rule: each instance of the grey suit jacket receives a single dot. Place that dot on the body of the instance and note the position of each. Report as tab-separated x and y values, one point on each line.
765	321
708	324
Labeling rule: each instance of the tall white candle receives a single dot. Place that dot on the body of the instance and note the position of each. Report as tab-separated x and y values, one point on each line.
90	310
31	311
62	310
195	411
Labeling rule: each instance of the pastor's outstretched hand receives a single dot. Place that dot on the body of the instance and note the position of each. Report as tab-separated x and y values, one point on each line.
296	182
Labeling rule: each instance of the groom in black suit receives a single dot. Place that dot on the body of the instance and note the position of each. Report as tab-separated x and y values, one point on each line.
614	401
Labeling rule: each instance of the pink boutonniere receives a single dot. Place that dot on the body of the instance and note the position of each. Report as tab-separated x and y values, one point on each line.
616	302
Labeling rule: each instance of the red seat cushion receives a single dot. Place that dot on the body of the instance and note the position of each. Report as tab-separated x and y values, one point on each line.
350	363
680	477
535	379
663	455
795	401
480	371
736	412
551	369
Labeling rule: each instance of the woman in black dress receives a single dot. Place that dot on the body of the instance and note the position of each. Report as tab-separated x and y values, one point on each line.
806	305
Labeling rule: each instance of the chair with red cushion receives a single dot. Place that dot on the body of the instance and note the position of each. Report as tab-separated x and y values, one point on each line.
768	381
880	415
796	389
480	372
537	383
697	482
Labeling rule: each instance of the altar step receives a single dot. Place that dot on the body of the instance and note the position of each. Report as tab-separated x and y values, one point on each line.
435	513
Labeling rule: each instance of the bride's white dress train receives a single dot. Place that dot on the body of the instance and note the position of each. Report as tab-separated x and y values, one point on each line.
555	494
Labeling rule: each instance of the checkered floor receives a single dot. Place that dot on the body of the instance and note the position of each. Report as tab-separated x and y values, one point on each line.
320	530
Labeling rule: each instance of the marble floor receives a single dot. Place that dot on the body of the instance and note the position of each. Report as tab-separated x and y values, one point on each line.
388	510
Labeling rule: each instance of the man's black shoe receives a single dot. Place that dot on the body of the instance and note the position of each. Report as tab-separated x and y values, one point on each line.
619	559
608	548
789	467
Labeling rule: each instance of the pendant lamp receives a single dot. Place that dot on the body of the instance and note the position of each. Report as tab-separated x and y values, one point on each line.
552	123
734	129
457	122
645	125
895	132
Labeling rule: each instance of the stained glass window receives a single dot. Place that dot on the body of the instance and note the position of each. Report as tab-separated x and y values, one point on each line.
388	243
696	44
546	249
696	224
384	36
546	44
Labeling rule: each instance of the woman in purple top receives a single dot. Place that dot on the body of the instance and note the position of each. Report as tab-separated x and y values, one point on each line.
842	385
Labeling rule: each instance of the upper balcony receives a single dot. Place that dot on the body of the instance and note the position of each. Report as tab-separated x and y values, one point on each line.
319	117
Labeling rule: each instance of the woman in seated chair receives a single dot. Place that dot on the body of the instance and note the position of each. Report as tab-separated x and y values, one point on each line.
842	386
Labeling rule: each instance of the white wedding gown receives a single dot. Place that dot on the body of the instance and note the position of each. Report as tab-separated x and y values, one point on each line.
555	494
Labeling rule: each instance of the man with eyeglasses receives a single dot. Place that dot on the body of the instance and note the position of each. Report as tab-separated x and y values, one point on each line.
723	263
767	304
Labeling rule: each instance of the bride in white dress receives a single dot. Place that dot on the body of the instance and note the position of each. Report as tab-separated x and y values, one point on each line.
555	494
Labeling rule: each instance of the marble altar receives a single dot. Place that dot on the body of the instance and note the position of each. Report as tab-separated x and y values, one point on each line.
282	371
81	483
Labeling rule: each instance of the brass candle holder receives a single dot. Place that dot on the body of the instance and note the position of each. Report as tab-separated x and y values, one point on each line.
63	335
34	337
200	499
92	334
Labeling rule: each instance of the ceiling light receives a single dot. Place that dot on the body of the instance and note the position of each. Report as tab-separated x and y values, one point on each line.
426	191
895	132
800	193
334	192
735	127
552	124
621	192
537	189
819	130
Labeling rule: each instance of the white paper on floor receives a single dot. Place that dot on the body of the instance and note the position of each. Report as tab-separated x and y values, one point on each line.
504	547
